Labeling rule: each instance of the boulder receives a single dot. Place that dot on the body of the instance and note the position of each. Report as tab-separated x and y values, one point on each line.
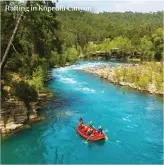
12	126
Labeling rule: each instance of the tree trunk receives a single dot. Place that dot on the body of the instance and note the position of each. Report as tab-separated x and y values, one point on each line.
5	56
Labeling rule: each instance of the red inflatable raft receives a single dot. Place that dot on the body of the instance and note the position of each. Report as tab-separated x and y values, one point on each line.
83	131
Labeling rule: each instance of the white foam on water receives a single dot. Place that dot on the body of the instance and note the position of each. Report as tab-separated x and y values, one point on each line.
135	125
63	69
151	106
87	65
83	83
106	130
117	141
68	80
86	141
86	89
71	113
126	119
129	126
82	65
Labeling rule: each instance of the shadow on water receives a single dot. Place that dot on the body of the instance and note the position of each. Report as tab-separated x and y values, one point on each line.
92	144
60	107
96	143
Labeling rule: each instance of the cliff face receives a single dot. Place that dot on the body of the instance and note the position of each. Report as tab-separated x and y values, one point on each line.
15	115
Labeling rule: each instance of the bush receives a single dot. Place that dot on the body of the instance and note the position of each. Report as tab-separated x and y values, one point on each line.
117	74
38	78
72	55
159	82
54	59
131	75
25	92
63	60
143	82
69	55
141	75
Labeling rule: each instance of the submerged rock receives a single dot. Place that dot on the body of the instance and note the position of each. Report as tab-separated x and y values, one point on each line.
12	126
5	135
40	118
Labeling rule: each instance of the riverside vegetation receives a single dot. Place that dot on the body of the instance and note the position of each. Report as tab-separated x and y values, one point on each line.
34	42
31	45
145	77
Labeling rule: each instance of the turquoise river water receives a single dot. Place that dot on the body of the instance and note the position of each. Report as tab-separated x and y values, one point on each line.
132	120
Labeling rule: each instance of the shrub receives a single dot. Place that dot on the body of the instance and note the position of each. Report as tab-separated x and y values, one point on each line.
25	92
159	81
38	78
72	55
117	74
54	59
143	82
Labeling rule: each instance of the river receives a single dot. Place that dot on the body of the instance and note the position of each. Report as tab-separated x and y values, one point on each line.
132	120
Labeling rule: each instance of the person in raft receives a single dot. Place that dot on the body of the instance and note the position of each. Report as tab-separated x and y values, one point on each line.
100	130
90	132
80	122
90	125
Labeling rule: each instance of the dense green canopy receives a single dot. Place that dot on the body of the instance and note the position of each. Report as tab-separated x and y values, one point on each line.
128	31
28	59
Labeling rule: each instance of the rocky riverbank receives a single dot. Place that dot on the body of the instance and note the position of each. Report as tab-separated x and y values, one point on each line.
15	116
133	76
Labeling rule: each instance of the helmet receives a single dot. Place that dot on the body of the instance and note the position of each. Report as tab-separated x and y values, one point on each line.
90	122
100	127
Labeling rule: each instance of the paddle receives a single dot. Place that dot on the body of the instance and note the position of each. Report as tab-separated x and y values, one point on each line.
88	138
93	126
106	137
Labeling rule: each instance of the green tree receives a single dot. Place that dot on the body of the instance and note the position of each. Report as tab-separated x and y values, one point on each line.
158	43
72	55
38	78
25	92
146	49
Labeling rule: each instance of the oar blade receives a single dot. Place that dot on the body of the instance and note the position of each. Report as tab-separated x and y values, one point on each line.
85	141
106	137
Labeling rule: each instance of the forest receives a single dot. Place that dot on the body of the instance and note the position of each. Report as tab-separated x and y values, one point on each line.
51	39
130	32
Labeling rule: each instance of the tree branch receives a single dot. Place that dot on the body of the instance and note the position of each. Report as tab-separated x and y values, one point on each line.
4	58
15	49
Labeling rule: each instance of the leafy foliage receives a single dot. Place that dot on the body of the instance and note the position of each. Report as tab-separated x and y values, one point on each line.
141	75
25	92
30	53
130	32
38	78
